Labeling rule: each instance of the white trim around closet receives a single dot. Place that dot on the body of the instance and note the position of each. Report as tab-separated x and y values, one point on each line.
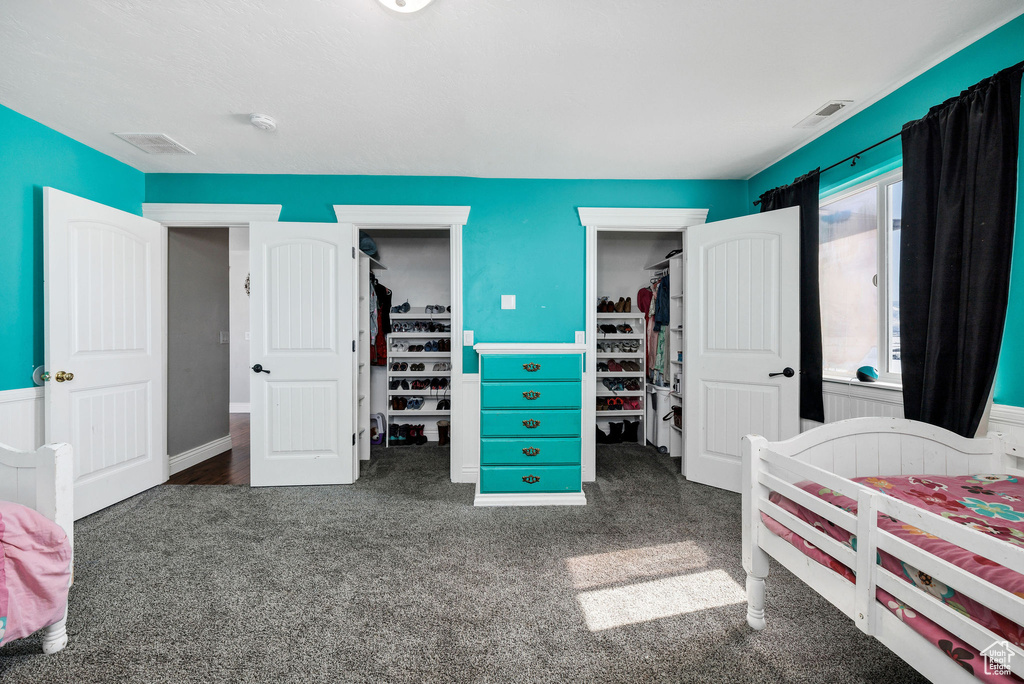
465	443
598	219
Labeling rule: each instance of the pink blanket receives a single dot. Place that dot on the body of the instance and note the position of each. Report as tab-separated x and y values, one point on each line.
35	568
993	504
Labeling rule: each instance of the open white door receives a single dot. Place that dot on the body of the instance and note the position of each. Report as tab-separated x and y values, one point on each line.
105	298
742	339
303	389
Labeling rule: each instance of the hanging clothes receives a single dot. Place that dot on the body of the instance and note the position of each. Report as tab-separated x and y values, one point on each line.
662	304
379	343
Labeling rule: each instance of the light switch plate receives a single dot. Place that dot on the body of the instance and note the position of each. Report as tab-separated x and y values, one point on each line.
225	337
467	338
508	301
247	334
581	337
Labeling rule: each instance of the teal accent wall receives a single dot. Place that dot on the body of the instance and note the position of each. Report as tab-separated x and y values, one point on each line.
33	156
1002	48
523	237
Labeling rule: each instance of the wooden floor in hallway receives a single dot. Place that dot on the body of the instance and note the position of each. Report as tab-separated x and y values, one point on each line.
228	468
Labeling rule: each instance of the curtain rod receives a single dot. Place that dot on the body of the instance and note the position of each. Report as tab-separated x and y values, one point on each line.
852	158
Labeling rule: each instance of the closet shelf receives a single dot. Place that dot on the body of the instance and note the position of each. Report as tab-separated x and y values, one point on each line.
419	335
678	363
678	296
420	312
613	314
619	393
423	412
418	355
620	374
615	413
420	374
618	355
619	336
677	429
375	263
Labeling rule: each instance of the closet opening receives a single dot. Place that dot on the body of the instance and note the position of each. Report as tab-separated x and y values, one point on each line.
637	362
406	340
207	355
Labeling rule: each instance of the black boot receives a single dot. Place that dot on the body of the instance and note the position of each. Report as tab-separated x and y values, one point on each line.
443	432
614	433
631	432
601	437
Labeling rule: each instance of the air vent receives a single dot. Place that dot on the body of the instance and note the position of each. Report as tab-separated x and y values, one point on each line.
829	109
154	143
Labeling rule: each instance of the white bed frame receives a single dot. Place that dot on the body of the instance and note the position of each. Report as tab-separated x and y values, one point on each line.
44	481
865	447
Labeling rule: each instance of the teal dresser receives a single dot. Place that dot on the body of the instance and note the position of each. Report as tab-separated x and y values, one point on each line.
530	424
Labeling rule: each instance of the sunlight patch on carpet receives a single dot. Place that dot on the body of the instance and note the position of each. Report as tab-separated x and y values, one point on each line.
658	599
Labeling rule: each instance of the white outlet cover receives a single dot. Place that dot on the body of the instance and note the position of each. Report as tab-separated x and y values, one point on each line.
467	338
508	301
581	337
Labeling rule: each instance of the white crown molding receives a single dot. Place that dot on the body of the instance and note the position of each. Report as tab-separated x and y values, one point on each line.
529	347
384	215
187	459
25	394
625	219
230	215
1007	415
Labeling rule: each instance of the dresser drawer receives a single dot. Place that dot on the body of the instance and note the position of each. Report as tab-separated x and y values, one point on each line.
516	423
531	367
527	479
542	451
531	395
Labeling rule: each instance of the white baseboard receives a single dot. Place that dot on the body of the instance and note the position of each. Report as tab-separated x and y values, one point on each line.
566	499
187	459
21	418
239	407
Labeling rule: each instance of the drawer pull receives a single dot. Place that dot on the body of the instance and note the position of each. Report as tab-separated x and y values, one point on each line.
530	451
531	367
530	479
531	423
531	395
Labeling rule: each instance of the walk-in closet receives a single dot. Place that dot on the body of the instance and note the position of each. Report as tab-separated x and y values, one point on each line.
638	339
405	344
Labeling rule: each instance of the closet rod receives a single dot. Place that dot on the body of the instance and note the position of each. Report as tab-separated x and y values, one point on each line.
852	158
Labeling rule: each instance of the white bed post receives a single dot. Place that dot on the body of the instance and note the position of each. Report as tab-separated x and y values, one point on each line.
867	567
54	487
755	560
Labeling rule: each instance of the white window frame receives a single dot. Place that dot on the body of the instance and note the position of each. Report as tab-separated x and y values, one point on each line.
883	331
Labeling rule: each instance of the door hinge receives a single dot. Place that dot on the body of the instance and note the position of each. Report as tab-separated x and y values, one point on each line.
353	252
353	345
353	439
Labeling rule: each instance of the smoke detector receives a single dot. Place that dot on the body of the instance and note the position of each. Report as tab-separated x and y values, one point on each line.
405	6
822	114
154	143
263	122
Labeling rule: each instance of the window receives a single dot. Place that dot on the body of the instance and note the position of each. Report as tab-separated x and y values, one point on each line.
858	262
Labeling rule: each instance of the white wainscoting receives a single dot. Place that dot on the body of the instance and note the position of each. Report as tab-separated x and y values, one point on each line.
470	434
1009	420
21	418
855	399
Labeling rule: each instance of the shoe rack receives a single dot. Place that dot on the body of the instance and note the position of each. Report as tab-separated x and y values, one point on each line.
621	370
411	343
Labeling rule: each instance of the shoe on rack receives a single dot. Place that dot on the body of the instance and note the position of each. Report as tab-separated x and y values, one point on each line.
405	384
602	367
608	328
614	366
628	306
631	431
393	434
619	304
625	329
615	433
401	308
443	427
394	384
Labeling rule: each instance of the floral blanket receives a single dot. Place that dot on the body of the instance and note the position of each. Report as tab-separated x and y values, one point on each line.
993	504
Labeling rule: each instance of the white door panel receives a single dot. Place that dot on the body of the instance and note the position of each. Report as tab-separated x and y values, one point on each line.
105	298
742	324
302	318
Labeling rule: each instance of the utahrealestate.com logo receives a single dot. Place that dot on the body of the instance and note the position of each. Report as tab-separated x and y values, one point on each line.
997	658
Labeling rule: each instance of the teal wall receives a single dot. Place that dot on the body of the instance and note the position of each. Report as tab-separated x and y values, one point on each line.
33	156
1002	48
523	236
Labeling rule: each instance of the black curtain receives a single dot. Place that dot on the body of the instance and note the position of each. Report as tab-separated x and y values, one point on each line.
959	194
803	193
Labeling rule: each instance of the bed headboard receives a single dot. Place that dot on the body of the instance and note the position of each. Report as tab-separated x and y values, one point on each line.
864	447
42	480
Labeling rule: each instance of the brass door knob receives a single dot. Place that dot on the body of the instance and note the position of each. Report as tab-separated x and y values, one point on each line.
61	376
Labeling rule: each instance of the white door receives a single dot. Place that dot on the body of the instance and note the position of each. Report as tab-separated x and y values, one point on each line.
742	340
105	297
303	381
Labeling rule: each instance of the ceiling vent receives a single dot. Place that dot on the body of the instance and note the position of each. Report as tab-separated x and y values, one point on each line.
824	113
154	143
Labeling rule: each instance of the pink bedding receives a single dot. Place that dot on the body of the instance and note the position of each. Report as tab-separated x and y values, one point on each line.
35	568
992	504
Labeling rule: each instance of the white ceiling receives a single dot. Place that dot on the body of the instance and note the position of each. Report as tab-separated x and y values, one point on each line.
492	88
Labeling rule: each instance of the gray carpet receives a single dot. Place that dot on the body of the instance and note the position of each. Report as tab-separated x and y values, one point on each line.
400	579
